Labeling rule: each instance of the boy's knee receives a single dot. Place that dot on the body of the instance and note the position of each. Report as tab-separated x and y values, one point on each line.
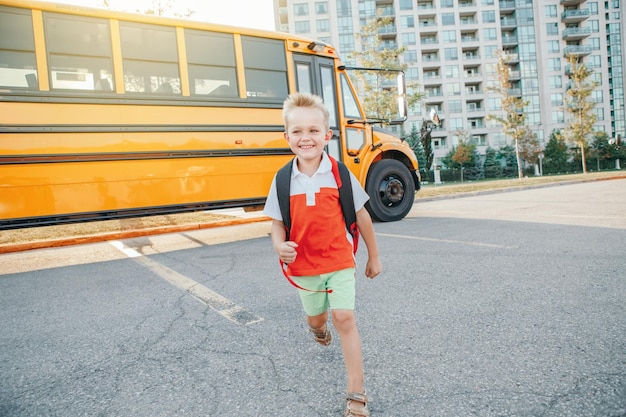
343	318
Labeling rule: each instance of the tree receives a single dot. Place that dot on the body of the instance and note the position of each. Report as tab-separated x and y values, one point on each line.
415	142
464	153
514	119
555	154
529	148
157	8
579	104
509	155
492	166
379	89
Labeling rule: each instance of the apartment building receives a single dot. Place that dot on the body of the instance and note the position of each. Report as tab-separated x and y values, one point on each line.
451	49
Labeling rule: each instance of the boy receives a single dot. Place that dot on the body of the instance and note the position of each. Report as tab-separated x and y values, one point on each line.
319	254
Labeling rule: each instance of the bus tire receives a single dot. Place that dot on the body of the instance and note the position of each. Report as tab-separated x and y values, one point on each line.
391	190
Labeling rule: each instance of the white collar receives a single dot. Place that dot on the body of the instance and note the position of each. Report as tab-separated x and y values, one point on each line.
325	166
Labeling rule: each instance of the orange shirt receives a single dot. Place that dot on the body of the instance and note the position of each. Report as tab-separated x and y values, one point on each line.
317	223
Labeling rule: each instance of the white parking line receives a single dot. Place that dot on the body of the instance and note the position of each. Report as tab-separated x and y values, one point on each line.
215	301
456	242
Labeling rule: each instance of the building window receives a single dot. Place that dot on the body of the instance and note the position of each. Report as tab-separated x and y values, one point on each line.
556	99
321	7
554	46
554	64
406	4
408	38
447	19
451	54
452	71
454	106
556	81
301	9
453	89
558	117
489	16
551	11
447	3
322	25
303	27
490	34
449	36
407	22
410	56
552	28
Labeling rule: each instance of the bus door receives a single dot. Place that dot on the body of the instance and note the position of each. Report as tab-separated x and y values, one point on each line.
315	75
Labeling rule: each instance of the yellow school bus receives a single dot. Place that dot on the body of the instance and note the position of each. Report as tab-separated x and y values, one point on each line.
107	114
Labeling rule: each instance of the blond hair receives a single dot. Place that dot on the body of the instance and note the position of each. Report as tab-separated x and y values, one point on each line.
306	100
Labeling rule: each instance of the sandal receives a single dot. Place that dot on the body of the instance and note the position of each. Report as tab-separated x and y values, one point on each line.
324	338
358	397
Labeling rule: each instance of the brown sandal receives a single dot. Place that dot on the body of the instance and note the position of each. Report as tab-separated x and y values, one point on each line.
358	397
323	338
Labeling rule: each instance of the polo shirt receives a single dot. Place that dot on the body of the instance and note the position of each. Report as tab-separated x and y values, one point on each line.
317	223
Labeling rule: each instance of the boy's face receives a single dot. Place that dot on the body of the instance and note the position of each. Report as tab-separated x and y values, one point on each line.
306	133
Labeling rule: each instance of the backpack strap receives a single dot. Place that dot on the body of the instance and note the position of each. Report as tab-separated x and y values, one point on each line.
346	198
283	190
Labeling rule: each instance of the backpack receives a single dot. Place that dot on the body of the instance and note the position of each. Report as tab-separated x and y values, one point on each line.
344	186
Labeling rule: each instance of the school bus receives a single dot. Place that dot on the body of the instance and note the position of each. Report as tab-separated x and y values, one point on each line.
108	114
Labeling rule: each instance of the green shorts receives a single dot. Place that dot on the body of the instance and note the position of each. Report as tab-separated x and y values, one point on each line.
342	298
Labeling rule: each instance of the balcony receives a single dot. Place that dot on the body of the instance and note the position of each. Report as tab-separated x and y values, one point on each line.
573	34
567	3
509	40
578	50
575	15
507	5
508	23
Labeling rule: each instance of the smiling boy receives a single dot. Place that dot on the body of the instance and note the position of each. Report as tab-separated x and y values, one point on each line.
319	253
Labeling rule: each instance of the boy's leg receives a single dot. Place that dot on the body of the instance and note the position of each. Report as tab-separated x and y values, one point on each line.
345	324
318	322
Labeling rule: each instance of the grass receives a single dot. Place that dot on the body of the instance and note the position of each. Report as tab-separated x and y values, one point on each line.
43	233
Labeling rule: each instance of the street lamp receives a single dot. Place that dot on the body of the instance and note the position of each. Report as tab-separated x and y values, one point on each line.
541	164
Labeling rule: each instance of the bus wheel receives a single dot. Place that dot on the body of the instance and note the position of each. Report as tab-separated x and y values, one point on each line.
391	190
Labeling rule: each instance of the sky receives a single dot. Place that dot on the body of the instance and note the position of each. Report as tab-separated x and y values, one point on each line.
258	14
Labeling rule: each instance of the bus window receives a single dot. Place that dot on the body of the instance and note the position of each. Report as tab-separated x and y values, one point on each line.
18	67
304	77
212	66
265	68
79	53
328	92
350	106
150	59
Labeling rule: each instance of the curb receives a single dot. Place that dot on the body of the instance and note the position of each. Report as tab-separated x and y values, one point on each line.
81	240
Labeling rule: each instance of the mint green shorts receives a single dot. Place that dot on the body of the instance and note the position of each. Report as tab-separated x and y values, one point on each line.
342	298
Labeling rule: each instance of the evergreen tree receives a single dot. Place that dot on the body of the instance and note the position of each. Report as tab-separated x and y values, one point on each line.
413	139
492	167
509	155
555	154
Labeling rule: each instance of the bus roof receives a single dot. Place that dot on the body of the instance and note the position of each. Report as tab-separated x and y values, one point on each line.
296	41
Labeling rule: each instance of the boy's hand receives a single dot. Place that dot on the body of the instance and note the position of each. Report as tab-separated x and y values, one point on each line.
373	268
287	251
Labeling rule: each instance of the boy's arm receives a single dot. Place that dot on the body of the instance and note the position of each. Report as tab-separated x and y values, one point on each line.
285	249
366	229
